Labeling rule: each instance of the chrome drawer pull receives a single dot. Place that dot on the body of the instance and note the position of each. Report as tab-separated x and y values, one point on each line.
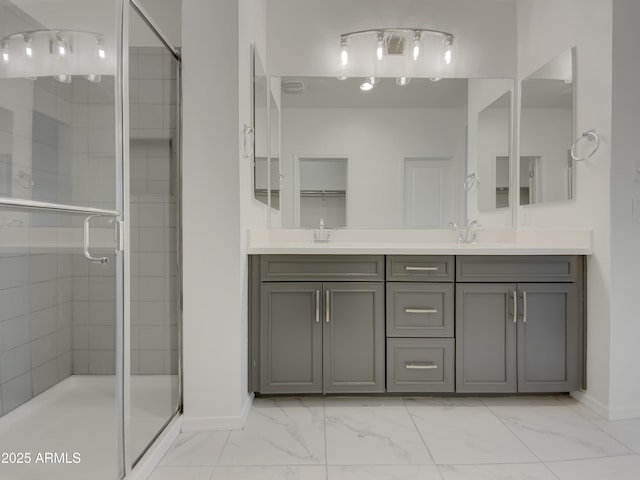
421	269
420	366
420	310
317	306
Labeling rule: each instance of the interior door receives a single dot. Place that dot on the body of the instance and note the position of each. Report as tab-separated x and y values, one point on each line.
429	200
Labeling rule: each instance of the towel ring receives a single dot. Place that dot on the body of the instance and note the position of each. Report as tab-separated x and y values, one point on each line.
590	135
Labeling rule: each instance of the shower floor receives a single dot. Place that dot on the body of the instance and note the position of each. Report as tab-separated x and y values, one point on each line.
78	416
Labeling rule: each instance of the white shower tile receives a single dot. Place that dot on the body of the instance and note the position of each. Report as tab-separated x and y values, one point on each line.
364	435
65	342
14	363
279	432
80	365
386	472
102	313
150	116
625	467
15	272
295	472
150	66
196	448
152	289
151	313
152	338
151	91
102	337
65	365
14	332
152	362
151	215
520	471
102	289
468	435
102	362
101	116
558	433
44	322
44	349
151	264
80	313
15	392
14	301
44	376
43	267
43	295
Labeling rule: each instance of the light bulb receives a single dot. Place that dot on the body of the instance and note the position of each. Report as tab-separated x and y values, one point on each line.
380	49
61	48
5	52
344	52
64	78
102	54
366	86
402	81
28	46
416	45
92	77
448	50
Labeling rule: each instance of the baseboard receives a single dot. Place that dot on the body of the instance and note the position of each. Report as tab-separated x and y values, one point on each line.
151	459
605	411
204	424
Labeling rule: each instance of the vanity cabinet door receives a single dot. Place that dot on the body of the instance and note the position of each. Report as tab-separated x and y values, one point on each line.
291	337
485	338
354	337
547	337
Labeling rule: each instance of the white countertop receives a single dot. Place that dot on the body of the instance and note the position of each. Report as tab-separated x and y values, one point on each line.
421	242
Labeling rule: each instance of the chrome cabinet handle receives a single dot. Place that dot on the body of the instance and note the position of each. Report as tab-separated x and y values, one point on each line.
420	366
421	269
248	140
420	310
326	305
515	306
88	256
317	306
524	307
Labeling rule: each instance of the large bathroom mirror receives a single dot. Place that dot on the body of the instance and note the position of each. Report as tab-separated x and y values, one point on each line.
393	156
493	154
266	124
546	132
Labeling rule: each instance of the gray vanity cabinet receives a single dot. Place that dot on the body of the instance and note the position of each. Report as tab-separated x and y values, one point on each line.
320	336
519	337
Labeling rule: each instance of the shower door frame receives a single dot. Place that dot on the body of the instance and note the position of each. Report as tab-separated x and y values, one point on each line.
123	357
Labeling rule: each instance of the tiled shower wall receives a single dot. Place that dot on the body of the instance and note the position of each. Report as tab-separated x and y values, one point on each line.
36	294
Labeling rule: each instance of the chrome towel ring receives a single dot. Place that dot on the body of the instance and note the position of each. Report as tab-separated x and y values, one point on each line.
589	135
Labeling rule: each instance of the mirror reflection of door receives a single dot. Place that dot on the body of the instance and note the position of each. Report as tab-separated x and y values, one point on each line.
322	192
428	192
502	181
530	184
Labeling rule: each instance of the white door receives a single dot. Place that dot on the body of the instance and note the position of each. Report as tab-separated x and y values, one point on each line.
428	192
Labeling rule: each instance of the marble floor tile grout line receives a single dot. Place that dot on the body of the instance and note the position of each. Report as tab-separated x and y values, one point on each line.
404	403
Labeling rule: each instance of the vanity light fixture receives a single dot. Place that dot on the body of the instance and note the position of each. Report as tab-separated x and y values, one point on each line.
392	41
60	44
403	81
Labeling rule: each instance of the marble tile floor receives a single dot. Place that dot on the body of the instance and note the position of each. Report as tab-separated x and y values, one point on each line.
426	438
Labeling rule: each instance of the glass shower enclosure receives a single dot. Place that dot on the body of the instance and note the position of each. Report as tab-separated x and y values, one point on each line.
89	237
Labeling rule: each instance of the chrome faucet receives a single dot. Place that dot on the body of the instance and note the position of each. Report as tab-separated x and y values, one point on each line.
321	235
470	233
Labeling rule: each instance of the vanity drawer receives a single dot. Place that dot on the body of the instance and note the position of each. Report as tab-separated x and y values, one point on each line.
420	365
518	268
321	267
420	309
420	268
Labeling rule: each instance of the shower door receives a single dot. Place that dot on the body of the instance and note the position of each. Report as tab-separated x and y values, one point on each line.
61	240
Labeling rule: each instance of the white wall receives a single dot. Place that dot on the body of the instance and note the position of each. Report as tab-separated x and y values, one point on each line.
375	141
303	35
546	28
217	208
625	239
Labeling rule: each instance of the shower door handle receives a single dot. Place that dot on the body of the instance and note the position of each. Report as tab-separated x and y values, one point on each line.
88	256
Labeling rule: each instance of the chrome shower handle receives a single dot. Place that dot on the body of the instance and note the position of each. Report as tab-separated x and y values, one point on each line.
88	256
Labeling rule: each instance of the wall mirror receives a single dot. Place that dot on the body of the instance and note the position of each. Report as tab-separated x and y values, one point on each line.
266	121
394	156
494	165
546	132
